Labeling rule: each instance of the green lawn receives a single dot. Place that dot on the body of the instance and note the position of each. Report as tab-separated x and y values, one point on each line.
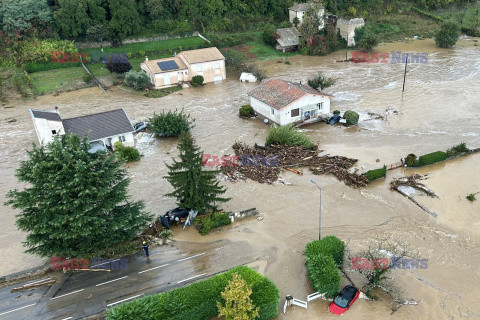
45	82
263	51
154	45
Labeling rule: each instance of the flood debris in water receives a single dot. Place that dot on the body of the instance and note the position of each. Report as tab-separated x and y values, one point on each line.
264	164
410	186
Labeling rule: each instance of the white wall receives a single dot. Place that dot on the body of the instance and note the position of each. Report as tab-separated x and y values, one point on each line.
285	114
129	141
208	70
264	110
44	127
299	14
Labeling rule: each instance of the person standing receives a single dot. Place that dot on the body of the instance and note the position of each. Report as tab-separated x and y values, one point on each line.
145	247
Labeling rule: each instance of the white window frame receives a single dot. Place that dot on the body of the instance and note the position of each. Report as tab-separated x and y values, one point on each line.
199	68
320	106
272	111
121	138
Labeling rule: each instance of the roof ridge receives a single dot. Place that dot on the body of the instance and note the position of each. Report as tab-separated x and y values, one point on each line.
94	114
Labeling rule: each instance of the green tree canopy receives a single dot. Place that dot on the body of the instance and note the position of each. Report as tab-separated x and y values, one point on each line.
448	34
73	18
24	14
75	202
194	188
125	19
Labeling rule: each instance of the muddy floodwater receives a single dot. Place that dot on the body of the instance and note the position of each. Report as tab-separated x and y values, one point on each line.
440	108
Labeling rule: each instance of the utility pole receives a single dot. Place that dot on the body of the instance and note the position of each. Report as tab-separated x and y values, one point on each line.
319	210
405	74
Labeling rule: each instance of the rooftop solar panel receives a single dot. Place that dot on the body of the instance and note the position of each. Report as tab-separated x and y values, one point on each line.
168	65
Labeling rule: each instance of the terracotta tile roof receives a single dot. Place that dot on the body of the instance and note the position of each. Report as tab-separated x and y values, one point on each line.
279	93
152	65
202	55
99	125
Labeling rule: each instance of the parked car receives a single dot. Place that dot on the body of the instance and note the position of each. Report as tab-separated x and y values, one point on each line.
344	300
141	126
174	215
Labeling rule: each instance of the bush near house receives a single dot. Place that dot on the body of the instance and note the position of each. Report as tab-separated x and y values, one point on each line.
288	135
373	175
127	154
138	80
118	67
199	300
246	111
351	117
411	160
197	80
212	221
431	158
170	124
336	112
329	245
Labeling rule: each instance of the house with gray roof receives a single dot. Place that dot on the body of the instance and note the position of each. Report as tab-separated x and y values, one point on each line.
101	129
284	102
288	39
298	10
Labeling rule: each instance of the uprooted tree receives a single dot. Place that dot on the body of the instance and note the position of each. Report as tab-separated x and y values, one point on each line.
74	202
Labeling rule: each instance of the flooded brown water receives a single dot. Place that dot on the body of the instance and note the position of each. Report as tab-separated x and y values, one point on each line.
440	108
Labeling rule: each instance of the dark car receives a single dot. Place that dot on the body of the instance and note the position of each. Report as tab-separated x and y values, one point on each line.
174	215
141	126
344	300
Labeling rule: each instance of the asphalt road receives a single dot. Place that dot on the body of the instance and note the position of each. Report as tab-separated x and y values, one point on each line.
84	293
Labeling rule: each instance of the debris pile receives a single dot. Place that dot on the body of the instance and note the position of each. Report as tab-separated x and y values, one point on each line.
264	164
412	181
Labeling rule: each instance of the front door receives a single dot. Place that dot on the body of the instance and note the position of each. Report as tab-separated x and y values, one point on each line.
180	76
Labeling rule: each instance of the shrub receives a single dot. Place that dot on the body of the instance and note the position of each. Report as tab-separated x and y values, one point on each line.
368	41
330	246
118	66
351	117
376	174
448	34
197	80
269	35
170	124
199	300
324	274
138	80
87	78
431	158
288	135
336	112
213	220
127	154
246	111
238	304
320	82
458	149
471	197
411	160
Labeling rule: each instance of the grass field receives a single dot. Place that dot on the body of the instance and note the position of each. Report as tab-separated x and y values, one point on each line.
45	82
399	27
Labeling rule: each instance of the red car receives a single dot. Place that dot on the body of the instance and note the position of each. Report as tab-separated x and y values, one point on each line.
344	300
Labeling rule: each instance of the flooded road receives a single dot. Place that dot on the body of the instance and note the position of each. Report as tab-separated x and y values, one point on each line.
439	109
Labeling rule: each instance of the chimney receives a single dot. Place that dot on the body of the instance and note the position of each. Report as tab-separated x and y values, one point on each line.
146	58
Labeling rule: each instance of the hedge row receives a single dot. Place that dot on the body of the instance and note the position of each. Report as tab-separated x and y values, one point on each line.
199	300
431	158
323	257
32	67
373	175
212	221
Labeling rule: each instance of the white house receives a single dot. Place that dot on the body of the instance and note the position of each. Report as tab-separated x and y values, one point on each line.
285	102
298	10
102	129
207	62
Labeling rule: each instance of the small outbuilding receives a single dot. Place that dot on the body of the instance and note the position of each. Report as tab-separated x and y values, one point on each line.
288	39
284	102
298	10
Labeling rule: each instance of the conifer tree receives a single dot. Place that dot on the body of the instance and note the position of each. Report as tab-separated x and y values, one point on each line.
74	202
238	305
194	188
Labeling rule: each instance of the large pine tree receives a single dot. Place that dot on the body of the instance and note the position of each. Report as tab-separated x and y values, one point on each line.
74	202
194	188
